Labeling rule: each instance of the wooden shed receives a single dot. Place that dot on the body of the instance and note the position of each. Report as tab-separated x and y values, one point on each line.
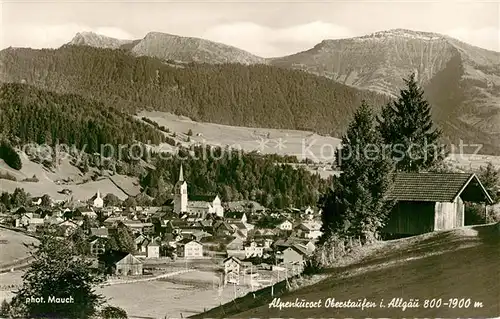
121	263
427	202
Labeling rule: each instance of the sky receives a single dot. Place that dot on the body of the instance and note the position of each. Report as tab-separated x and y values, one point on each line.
265	28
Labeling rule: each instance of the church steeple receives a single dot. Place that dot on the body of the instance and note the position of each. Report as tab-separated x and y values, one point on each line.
181	175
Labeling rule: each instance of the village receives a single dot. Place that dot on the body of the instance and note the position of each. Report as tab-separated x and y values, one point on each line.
245	240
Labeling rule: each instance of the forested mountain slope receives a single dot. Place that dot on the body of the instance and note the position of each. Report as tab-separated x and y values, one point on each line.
31	115
233	94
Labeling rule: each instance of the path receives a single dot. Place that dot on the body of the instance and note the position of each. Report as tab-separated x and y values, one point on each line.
118	282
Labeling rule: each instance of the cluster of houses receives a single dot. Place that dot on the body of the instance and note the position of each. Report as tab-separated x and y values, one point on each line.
193	228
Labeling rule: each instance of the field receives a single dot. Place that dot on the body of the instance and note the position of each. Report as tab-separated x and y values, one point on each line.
303	144
188	294
12	249
462	263
51	182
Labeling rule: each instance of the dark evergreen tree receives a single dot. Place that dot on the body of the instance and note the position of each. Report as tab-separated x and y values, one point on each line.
9	154
111	200
357	207
122	239
407	127
46	201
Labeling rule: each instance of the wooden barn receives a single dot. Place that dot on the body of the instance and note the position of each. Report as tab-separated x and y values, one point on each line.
427	202
120	263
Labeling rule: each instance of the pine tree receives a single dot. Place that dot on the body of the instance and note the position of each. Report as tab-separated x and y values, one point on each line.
357	206
407	127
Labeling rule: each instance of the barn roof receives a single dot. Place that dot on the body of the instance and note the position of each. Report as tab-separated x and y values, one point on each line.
438	187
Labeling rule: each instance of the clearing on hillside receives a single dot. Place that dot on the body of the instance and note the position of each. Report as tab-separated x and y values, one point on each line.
12	249
461	264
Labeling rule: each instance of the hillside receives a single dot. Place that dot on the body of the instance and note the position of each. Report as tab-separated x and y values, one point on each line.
247	139
231	94
462	82
65	176
461	263
38	116
14	252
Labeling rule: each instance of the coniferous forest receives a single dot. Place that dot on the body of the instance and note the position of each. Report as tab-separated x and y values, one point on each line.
30	115
237	176
232	94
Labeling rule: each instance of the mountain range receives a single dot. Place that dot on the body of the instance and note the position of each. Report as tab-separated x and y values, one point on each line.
462	82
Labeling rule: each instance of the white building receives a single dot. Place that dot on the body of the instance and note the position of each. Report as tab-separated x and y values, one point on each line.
286	225
197	208
254	250
98	201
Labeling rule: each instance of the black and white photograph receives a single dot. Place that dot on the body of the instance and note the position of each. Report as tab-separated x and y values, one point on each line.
249	159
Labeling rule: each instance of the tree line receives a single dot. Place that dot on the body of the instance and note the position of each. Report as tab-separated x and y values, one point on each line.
235	176
31	115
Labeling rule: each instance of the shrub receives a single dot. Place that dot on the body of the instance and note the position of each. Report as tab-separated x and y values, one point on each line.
7	176
9	155
110	312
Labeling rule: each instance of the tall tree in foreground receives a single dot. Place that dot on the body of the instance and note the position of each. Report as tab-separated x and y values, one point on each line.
56	272
490	177
406	125
357	207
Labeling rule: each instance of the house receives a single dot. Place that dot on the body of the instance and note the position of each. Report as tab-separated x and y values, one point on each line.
234	217
242	228
188	248
68	227
101	232
232	264
427	202
223	229
309	229
294	255
153	250
85	211
235	244
141	244
121	263
254	250
232	269
52	220
112	221
98	246
139	227
246	206
285	225
309	211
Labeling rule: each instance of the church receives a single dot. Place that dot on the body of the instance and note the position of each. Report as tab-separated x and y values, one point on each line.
195	208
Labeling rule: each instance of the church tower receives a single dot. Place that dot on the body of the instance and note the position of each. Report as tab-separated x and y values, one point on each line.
180	195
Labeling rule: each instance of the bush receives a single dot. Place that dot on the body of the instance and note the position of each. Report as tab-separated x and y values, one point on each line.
312	267
33	179
7	176
9	155
4	308
110	312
